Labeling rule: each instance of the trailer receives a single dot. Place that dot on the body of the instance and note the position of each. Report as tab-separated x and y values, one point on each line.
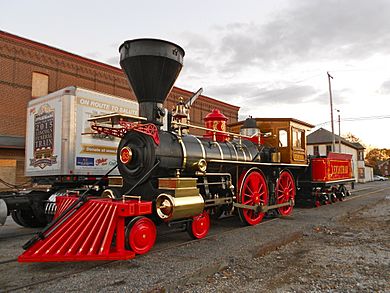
62	153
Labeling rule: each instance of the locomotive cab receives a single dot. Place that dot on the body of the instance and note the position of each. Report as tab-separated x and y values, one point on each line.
287	135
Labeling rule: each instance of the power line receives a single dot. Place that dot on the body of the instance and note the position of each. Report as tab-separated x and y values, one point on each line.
359	119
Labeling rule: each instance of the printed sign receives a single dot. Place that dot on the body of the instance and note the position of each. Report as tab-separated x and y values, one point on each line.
44	122
85	161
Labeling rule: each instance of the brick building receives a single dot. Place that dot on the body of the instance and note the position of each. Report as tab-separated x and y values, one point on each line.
384	168
29	69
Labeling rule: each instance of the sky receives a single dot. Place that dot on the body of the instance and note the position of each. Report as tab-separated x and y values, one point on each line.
270	58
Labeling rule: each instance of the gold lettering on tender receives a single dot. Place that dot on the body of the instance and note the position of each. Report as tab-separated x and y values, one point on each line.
340	170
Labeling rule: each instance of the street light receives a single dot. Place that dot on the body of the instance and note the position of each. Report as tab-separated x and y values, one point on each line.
331	110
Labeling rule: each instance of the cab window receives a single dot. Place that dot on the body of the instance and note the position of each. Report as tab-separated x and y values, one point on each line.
298	137
283	139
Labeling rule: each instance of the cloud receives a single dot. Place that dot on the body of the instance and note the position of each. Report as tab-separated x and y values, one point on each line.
232	90
195	65
251	93
385	88
113	61
311	30
339	97
293	94
196	43
94	55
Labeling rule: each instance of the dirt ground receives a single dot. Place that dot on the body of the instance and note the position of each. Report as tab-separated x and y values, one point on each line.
350	255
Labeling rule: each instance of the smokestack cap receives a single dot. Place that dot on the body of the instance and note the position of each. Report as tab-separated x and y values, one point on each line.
152	67
152	47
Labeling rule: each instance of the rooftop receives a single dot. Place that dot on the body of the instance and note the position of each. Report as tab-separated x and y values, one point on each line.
323	136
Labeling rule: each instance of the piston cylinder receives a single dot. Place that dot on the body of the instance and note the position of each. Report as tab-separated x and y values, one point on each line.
181	199
174	208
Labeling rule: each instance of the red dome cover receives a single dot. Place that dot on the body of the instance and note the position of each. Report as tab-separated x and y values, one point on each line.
215	115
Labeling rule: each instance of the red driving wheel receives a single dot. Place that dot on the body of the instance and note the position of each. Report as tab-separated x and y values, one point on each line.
253	191
200	226
285	191
140	235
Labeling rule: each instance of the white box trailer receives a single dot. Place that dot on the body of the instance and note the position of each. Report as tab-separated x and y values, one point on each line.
59	141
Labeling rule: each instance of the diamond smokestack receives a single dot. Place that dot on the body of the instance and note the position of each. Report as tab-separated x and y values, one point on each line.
152	67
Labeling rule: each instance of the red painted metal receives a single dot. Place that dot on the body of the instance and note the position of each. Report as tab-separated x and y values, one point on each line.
141	235
332	168
64	205
148	129
95	231
253	191
216	122
200	225
285	191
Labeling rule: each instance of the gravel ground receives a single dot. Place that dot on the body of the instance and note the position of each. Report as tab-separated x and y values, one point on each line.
350	255
343	247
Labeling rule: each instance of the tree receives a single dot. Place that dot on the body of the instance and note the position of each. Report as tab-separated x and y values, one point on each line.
375	156
351	137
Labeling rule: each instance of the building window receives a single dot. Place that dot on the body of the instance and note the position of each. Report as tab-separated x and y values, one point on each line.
328	149
40	84
316	150
361	155
361	173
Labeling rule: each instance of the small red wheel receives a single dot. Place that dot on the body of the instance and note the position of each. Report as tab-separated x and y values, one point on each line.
285	191
253	191
140	235
200	226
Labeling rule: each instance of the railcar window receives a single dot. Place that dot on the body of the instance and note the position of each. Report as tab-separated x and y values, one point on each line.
283	141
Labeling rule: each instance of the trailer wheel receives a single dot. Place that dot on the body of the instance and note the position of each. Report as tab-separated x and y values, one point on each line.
26	218
16	219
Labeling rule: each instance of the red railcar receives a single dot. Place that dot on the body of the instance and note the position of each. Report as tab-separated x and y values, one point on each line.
334	167
325	180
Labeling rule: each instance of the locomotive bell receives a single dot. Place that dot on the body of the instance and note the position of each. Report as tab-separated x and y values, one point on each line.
152	67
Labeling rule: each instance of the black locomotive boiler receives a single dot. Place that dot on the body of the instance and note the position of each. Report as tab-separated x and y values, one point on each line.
167	174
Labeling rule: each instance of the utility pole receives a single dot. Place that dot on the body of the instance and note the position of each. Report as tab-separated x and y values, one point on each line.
338	111
331	110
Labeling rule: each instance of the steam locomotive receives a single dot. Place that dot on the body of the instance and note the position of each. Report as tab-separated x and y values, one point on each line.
171	176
